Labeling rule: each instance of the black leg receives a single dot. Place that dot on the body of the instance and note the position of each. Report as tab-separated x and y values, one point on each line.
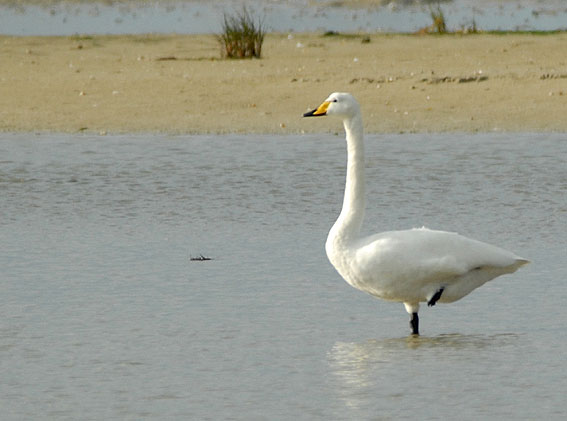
414	324
435	297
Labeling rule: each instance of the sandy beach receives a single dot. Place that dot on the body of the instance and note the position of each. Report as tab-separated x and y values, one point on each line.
178	83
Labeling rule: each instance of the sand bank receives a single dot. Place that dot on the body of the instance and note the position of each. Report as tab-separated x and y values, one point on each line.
177	84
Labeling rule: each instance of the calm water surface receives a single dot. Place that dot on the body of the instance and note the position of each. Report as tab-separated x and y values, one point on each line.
104	316
59	17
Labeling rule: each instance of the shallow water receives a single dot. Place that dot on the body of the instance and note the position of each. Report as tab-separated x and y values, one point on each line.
103	314
196	17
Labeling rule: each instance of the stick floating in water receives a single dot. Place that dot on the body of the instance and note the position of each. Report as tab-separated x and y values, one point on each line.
199	258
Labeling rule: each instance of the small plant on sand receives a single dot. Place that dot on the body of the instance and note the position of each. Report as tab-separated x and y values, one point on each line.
438	17
242	36
438	25
472	29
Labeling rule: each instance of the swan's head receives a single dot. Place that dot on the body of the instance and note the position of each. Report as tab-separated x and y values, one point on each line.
339	103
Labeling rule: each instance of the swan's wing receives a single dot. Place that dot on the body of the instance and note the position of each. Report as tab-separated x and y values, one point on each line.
423	254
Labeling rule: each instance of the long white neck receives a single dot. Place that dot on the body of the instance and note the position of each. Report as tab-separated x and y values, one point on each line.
347	227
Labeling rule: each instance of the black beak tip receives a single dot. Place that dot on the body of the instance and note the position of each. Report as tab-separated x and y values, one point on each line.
312	114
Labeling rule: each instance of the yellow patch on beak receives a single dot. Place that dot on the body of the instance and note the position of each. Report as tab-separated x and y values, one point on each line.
322	109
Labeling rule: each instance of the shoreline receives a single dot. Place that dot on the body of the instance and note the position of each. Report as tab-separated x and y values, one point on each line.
177	84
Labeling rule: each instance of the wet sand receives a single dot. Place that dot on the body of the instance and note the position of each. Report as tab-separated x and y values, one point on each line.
178	84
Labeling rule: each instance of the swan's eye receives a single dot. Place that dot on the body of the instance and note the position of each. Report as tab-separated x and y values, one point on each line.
335	100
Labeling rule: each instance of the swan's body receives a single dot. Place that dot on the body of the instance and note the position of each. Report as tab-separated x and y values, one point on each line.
411	266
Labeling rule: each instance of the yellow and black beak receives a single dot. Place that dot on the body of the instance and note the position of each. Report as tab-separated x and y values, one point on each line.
319	111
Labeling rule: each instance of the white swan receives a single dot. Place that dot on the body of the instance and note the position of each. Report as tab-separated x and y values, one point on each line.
412	266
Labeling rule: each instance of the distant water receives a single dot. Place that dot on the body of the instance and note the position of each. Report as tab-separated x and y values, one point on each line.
194	17
104	316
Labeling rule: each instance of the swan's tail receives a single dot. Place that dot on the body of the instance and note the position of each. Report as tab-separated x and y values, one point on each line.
516	265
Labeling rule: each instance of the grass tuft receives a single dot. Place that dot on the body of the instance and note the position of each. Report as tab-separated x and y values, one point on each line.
439	25
242	36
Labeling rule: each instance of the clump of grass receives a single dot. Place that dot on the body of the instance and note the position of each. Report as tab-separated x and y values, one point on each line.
472	29
242	36
438	17
438	25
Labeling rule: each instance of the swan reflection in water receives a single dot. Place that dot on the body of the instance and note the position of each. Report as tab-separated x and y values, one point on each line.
378	373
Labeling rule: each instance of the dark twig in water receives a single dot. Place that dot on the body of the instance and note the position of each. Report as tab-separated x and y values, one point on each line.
199	258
